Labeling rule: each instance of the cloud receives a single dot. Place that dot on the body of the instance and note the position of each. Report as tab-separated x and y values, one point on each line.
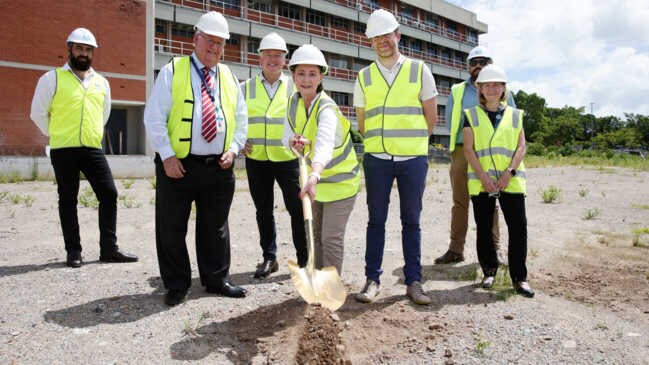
572	52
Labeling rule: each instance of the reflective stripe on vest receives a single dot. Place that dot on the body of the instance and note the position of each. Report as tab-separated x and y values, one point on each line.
394	115
340	178
77	113
495	149
266	120
181	116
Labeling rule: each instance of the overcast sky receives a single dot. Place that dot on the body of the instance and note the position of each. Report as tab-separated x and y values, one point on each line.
572	52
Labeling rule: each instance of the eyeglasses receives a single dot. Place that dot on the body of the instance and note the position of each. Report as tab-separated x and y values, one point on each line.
211	42
479	61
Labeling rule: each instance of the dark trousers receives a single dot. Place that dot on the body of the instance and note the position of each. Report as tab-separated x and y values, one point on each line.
411	181
211	189
67	163
513	208
261	181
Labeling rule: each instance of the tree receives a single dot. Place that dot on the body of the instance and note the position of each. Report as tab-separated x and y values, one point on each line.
535	109
641	125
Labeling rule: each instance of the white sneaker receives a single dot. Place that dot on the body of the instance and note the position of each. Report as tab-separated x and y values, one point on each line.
488	282
369	293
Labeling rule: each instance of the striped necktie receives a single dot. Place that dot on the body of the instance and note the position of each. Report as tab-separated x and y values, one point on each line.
208	128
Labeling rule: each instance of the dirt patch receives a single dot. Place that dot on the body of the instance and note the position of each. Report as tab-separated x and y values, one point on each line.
321	340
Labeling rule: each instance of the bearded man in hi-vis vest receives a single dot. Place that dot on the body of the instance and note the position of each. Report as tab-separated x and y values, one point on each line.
396	112
71	105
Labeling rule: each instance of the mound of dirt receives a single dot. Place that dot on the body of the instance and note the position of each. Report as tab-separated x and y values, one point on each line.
321	339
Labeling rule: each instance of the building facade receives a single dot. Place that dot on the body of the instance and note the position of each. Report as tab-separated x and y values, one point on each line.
137	38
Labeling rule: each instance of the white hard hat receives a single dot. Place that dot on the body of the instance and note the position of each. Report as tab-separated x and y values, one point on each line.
214	24
380	22
479	51
308	54
273	41
82	36
491	73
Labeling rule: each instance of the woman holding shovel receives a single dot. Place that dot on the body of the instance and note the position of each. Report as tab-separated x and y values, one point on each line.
316	128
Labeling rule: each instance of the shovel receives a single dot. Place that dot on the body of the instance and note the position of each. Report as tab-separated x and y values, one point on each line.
324	286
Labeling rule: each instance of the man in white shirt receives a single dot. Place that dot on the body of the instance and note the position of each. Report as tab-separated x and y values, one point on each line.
196	120
396	112
71	105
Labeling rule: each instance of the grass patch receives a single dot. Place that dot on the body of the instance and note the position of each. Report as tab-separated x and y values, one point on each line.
481	346
152	182
129	201
10	178
583	192
640	206
88	199
591	214
469	273
601	327
503	286
191	329
551	194
533	252
632	162
637	237
127	183
15	199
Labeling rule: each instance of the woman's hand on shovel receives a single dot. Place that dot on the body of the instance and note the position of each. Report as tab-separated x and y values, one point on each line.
309	187
298	142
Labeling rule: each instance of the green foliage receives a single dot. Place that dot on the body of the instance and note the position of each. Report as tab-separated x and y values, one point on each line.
127	183
551	194
128	201
152	182
10	177
88	199
637	235
357	137
635	206
26	199
470	273
481	346
591	214
534	148
535	109
583	192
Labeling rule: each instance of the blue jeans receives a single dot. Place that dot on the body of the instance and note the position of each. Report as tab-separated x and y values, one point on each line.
411	181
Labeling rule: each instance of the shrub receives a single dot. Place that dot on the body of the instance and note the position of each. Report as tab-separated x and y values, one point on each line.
551	194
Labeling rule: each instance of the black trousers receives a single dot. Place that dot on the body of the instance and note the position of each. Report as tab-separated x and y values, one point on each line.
67	163
211	189
513	208
261	181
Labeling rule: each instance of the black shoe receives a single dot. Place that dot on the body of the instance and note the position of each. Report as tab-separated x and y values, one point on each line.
266	268
74	259
524	289
228	290
175	297
117	256
449	257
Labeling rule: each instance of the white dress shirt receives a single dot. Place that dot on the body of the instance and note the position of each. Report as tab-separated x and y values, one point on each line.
328	136
428	91
44	93
271	88
159	104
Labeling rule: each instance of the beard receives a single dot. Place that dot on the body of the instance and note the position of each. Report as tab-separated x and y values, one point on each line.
80	63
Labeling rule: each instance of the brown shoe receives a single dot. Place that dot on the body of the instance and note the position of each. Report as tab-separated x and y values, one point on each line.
449	257
416	293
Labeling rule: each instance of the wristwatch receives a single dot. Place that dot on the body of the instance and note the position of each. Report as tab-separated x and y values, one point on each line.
511	171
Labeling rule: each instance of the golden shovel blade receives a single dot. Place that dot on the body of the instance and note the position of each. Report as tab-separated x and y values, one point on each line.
324	287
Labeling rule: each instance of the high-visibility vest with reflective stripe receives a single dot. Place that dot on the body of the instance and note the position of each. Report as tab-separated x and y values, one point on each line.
457	91
495	149
340	178
181	116
394	115
77	113
266	120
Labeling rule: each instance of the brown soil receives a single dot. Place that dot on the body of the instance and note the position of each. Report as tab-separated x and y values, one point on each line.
321	339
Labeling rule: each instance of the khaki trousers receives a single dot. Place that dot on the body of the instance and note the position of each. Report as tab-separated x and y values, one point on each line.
460	210
329	223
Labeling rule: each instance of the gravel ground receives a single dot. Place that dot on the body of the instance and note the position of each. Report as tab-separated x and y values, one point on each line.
592	302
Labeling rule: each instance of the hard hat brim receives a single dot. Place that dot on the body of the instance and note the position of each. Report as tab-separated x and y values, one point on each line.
215	34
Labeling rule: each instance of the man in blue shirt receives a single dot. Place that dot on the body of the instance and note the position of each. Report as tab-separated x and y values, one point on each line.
463	96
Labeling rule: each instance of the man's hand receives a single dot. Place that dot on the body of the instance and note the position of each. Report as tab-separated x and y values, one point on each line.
247	149
227	160
173	167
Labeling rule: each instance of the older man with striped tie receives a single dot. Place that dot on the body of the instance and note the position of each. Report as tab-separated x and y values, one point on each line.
196	120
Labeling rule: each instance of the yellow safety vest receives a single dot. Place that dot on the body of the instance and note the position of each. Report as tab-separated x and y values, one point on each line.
181	116
495	149
457	91
340	178
394	115
266	120
77	113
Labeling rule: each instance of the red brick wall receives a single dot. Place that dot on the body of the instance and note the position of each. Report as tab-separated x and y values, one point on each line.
34	32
